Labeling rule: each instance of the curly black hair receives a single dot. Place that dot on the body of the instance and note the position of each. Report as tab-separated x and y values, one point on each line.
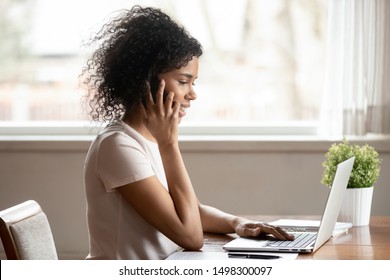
140	41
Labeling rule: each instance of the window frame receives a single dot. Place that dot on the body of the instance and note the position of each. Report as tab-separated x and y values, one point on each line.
237	129
200	129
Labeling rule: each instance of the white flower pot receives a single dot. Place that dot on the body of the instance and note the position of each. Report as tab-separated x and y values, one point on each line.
356	208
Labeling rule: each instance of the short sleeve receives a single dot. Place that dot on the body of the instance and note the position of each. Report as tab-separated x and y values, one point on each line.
121	160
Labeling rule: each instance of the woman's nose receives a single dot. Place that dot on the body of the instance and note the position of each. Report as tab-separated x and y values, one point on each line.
192	95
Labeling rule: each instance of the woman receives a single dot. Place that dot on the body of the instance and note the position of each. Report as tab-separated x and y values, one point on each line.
140	201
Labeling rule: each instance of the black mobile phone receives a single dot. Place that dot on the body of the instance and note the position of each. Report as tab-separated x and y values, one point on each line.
154	83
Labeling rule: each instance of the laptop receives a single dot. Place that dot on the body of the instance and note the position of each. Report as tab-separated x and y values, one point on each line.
312	238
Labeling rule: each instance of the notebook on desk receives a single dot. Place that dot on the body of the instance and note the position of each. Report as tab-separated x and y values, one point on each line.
311	238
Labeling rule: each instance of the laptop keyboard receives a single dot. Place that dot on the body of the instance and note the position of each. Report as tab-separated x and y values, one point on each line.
301	240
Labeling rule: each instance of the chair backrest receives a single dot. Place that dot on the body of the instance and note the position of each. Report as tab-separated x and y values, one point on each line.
26	234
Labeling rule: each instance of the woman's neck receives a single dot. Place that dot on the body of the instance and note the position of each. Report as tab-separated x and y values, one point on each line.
137	121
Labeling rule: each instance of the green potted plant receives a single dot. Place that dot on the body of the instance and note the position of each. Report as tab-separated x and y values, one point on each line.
365	172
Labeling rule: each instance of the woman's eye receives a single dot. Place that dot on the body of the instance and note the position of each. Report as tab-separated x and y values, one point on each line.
185	83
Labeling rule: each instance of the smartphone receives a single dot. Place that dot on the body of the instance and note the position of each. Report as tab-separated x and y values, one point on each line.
154	83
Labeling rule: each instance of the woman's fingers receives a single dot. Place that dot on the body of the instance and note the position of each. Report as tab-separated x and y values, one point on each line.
256	229
160	93
277	232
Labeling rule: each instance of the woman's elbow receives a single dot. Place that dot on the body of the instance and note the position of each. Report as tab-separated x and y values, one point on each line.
193	243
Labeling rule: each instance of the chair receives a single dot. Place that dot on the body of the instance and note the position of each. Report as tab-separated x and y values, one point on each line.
26	234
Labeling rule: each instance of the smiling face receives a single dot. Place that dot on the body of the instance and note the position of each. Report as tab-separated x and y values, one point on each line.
181	82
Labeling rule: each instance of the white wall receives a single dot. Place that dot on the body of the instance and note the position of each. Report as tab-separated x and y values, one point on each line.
241	177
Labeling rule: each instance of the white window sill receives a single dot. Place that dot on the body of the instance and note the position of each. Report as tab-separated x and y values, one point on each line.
196	143
276	137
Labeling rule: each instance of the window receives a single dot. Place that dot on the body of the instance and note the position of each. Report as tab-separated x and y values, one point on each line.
263	62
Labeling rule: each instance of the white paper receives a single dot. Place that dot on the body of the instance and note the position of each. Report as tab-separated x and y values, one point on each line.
198	255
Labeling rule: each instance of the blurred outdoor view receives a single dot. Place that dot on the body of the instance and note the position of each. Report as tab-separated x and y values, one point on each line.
263	60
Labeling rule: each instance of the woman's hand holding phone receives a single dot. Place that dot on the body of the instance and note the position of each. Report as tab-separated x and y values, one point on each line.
162	116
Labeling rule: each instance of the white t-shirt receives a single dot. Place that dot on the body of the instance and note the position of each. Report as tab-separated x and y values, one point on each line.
119	156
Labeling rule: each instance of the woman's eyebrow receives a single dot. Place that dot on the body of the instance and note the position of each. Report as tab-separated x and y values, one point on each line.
188	75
